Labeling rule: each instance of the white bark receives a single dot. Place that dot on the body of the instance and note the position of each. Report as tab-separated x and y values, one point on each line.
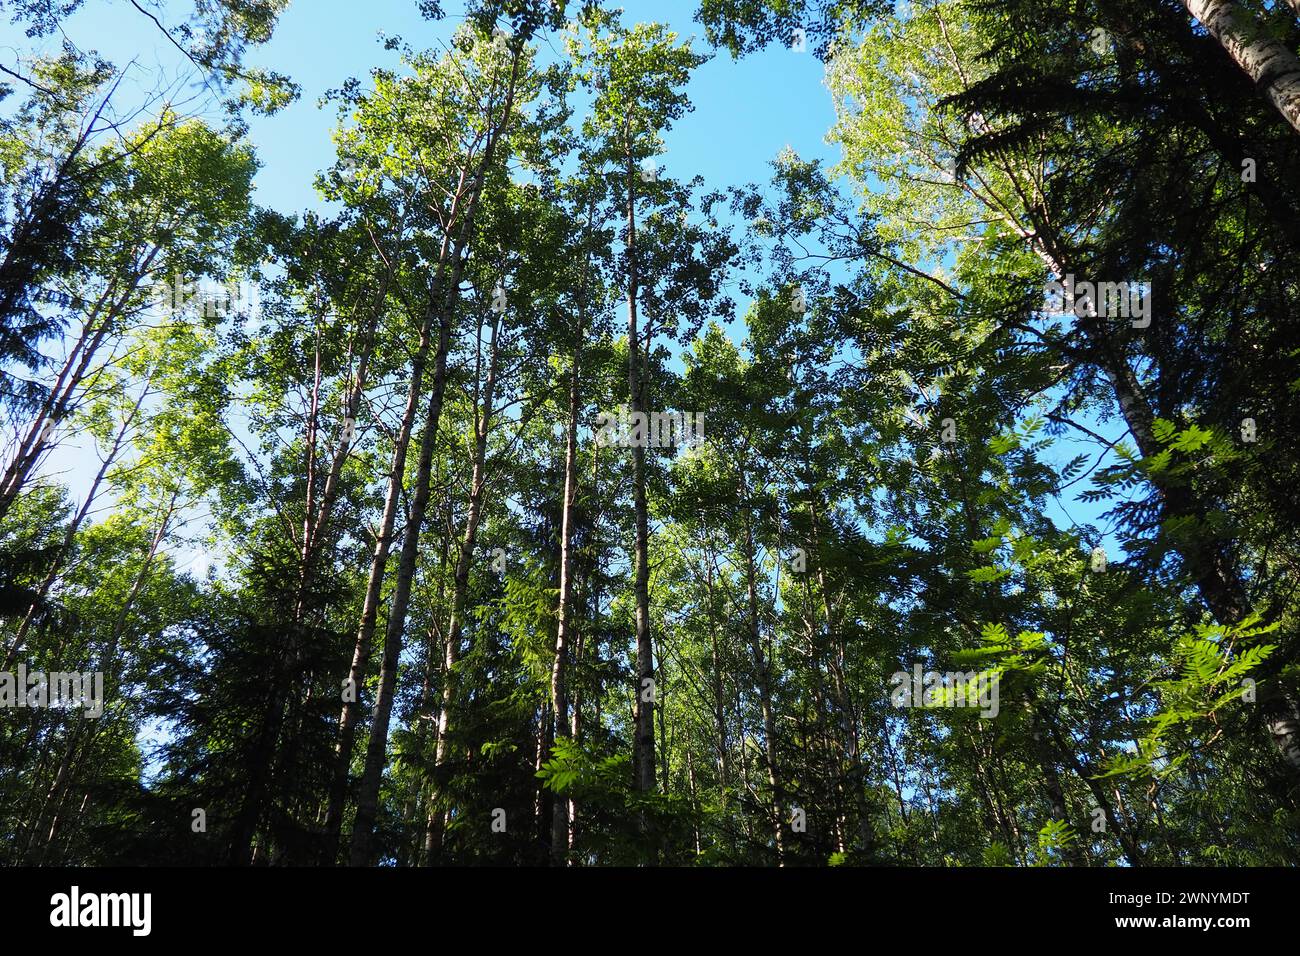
1273	67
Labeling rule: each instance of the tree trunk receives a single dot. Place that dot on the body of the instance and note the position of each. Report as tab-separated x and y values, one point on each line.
762	671
377	748
69	538
559	693
383	542
106	661
719	704
1210	562
643	718
1274	68
317	513
370	604
108	308
460	589
849	726
1071	852
563	627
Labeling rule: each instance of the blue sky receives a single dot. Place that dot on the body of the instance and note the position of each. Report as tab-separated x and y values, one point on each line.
745	111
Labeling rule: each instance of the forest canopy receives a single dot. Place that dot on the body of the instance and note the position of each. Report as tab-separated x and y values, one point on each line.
532	500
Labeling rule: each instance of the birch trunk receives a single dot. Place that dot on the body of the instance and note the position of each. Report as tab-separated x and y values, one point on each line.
1268	62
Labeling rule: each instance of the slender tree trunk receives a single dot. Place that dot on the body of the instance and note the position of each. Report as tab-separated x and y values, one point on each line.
104	315
559	692
1209	561
695	800
643	717
370	604
384	538
664	746
575	733
377	748
319	511
367	800
563	626
1088	774
1055	793
69	538
460	590
576	722
544	800
849	726
84	729
719	706
763	676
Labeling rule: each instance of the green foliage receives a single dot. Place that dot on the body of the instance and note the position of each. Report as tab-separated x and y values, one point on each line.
909	467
